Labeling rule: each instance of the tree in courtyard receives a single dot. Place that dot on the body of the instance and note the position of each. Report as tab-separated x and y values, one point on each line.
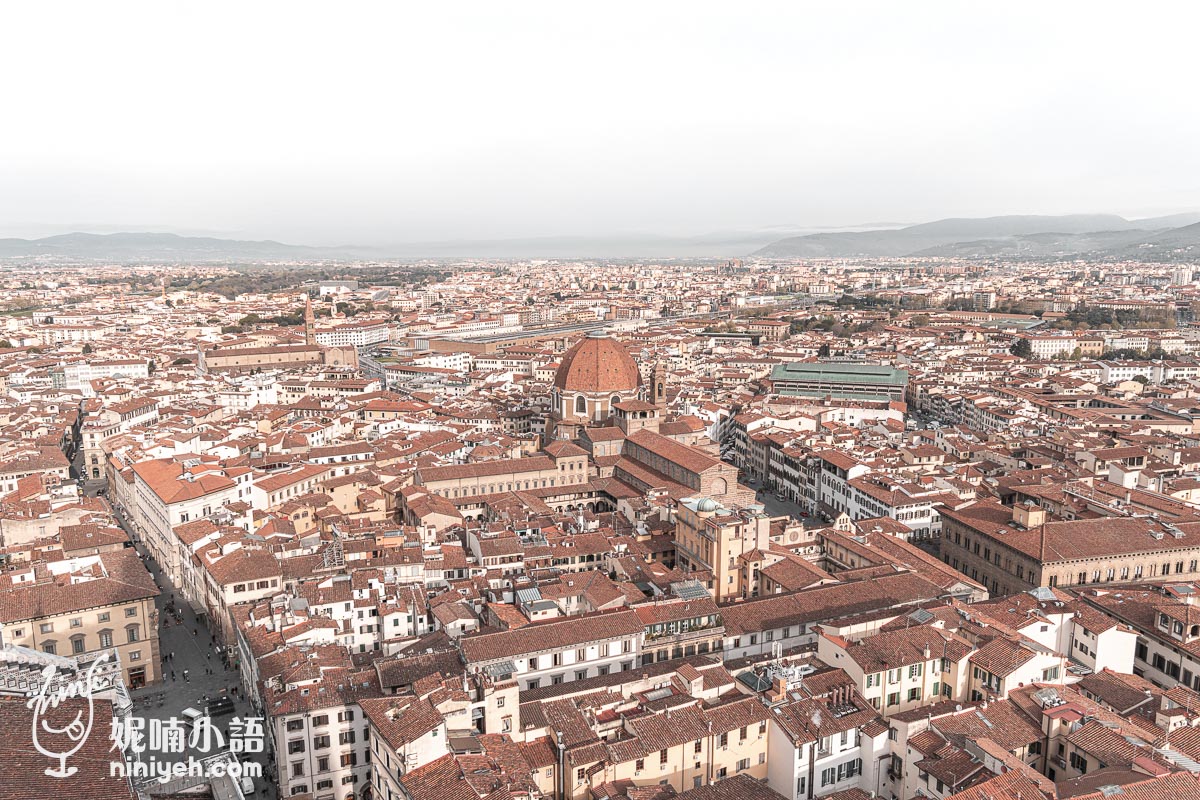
1021	348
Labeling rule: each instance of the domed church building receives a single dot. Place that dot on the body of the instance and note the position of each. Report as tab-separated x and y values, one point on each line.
594	375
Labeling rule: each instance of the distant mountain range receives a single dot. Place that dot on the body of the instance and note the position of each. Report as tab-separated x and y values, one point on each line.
1102	236
154	247
169	247
1172	238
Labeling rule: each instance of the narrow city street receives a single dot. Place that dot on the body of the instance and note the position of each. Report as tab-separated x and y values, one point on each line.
187	647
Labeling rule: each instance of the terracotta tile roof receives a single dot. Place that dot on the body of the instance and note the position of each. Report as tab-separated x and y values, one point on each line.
795	573
826	603
853	793
441	778
84	537
655	613
563	449
714	673
735	787
547	636
401	720
539	753
24	767
812	719
1107	744
339	684
1137	786
901	648
1118	691
273	483
243	564
1013	785
1002	722
1071	540
927	742
740	713
1001	656
954	766
661	731
122	578
597	364
485	469
689	458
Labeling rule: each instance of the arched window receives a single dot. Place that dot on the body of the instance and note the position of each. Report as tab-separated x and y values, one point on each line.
616	398
580	404
720	486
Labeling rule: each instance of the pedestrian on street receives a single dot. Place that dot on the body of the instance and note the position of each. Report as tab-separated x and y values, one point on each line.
185	676
172	674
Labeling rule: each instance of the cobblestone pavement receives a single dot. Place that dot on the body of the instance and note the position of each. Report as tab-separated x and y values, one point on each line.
188	646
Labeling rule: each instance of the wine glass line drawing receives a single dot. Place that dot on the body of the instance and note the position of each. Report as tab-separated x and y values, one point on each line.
50	695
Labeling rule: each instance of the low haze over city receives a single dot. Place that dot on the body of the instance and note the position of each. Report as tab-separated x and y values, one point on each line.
632	402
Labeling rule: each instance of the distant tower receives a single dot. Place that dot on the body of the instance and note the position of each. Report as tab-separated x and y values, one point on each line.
163	281
658	387
310	322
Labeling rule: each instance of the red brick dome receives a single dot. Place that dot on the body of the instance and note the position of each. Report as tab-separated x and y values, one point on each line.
598	365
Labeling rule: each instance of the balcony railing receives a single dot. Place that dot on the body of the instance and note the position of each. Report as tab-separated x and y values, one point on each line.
694	632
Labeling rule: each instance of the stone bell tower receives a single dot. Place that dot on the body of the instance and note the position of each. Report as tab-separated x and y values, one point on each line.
310	322
658	387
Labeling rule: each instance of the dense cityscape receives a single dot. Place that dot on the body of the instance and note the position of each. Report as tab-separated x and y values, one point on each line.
621	401
607	530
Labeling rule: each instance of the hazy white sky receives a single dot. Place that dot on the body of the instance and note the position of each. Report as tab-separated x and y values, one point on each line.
326	123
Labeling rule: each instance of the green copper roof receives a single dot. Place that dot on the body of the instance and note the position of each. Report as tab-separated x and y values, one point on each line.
840	373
